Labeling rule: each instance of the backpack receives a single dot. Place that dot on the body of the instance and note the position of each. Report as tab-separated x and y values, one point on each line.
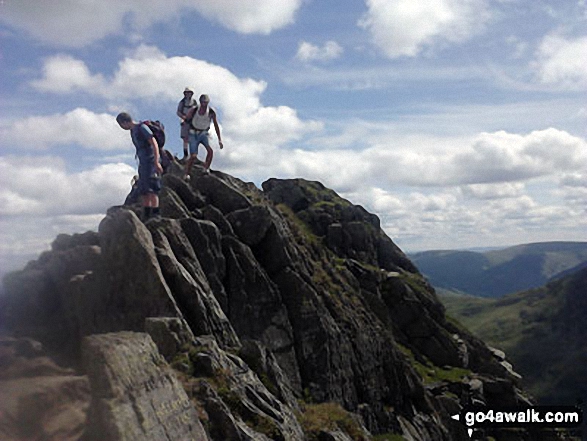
158	130
166	160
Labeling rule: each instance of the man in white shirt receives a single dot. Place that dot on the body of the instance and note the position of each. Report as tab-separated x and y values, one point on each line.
199	119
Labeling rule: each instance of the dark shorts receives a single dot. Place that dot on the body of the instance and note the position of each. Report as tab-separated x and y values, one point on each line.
185	131
148	183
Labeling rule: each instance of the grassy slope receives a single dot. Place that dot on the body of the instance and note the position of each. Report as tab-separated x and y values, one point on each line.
540	335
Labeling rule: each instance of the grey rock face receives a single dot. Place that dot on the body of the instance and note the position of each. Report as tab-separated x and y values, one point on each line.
259	301
135	393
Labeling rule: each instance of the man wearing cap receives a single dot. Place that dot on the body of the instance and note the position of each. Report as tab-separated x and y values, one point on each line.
199	119
185	105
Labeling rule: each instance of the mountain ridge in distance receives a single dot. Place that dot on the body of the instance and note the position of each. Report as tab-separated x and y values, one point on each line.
499	272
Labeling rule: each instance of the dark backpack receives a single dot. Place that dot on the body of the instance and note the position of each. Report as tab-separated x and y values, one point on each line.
166	160
158	130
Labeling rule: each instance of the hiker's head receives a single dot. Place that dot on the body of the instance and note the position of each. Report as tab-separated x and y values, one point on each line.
188	93
204	100
124	120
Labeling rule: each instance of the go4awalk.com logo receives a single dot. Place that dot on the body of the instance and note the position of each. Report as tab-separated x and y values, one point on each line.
477	417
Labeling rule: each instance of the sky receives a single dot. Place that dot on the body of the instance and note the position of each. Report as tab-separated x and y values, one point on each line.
460	123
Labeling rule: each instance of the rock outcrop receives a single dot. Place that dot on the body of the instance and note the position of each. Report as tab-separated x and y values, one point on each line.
284	314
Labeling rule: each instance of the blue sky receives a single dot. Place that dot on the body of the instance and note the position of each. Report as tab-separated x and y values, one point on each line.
461	123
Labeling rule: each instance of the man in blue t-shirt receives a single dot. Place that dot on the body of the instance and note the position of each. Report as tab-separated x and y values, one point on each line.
150	170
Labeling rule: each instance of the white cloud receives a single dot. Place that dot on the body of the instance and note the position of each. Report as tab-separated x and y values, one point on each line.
251	16
446	218
425	161
405	27
493	191
78	76
79	126
561	62
74	23
148	74
38	186
310	52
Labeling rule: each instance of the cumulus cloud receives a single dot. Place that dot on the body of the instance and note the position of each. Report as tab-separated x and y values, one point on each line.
92	20
406	27
502	157
310	52
251	16
561	62
61	67
80	126
39	186
424	220
148	74
480	162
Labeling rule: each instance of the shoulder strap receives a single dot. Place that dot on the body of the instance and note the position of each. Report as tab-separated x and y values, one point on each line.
194	110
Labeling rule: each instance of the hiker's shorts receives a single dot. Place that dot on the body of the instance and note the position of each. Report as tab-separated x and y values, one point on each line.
148	182
196	139
185	131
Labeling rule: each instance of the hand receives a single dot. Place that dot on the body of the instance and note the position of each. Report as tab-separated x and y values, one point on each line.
221	145
159	168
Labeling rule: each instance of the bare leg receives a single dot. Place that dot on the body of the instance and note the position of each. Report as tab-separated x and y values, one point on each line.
209	156
188	167
185	148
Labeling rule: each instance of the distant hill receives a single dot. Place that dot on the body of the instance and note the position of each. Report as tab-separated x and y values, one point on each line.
499	272
543	331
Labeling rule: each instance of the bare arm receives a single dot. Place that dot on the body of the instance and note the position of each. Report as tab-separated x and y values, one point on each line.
155	147
217	128
190	114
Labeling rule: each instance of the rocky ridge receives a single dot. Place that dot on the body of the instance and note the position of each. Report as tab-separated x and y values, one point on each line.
240	314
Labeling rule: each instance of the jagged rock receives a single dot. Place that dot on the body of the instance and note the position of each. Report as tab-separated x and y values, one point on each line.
241	406
134	393
170	334
171	205
499	354
250	224
318	302
256	308
190	198
205	239
287	192
65	241
350	230
334	435
214	215
419	326
184	275
220	194
264	363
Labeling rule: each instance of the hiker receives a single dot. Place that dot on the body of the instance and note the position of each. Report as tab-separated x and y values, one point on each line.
199	118
149	182
183	108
